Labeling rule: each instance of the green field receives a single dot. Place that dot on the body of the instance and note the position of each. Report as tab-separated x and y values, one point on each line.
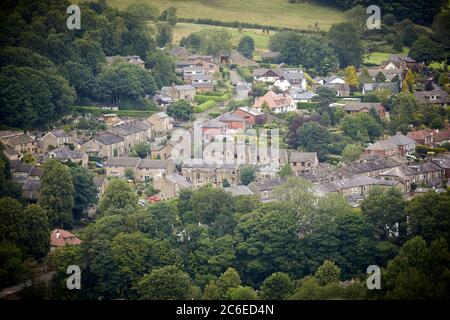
379	57
126	113
277	13
261	40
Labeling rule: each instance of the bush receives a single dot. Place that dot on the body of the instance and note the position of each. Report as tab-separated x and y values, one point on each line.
205	106
307	105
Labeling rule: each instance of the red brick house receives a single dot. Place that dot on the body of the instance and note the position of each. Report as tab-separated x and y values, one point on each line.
357	107
251	116
422	137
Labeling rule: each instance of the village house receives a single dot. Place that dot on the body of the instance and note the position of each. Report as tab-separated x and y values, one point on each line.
66	155
370	168
160	150
10	153
200	173
357	107
341	89
134	60
239	190
250	115
105	145
60	238
133	133
422	137
383	148
266	75
202	82
443	162
303	162
55	139
302	96
111	119
276	103
161	123
31	189
437	97
212	128
170	186
391	75
441	136
333	79
409	62
206	62
238	59
20	143
150	169
182	92
232	121
116	166
392	87
264	188
291	79
406	145
188	72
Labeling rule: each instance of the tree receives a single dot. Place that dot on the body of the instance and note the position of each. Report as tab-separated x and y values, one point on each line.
344	38
357	16
181	110
80	77
169	15
33	98
225	183
327	273
385	210
389	19
214	41
166	283
350	76
419	271
351	152
164	34
209	203
380	77
11	267
142	150
85	191
403	108
37	241
409	35
409	79
314	137
285	171
228	280
57	194
118	196
426	50
397	45
278	286
12	227
325	96
427	216
441	28
163	68
242	293
247	174
246	46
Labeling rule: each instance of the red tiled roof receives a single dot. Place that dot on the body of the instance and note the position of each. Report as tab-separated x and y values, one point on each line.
441	135
419	135
60	238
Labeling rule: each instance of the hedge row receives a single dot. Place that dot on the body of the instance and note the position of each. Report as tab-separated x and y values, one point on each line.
237	24
204	98
125	113
205	106
306	105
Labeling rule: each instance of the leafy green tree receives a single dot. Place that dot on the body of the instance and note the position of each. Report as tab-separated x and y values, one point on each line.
285	171
12	227
11	268
327	273
85	191
164	34
427	215
325	96
278	286
385	210
403	108
380	77
247	174
32	98
80	77
225	183
163	68
228	280
165	216
23	57
169	15
242	293
125	81
57	194
351	152
37	240
181	110
214	41
246	46
426	50
142	149
409	35
296	191
118	196
441	28
166	283
314	137
397	45
344	38
419	271
357	16
350	76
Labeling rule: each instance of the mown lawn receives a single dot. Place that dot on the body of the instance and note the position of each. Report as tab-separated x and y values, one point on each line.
277	13
378	57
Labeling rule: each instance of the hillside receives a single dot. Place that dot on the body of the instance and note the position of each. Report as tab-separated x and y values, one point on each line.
277	13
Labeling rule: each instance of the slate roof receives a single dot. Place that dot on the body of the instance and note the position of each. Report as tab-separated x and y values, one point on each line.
358	106
153	164
130	128
123	162
239	190
65	153
400	139
20	139
108	138
60	134
302	156
382	145
180	180
32	185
